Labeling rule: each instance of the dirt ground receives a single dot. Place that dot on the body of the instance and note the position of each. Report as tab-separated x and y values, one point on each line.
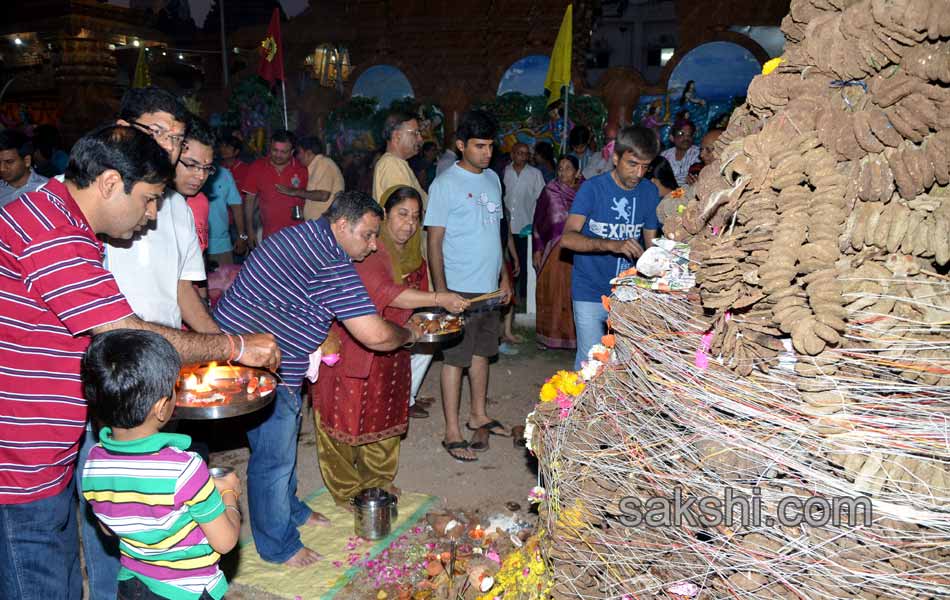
502	474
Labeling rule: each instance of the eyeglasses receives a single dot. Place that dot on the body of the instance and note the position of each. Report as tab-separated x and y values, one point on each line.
160	133
412	132
641	167
681	132
198	169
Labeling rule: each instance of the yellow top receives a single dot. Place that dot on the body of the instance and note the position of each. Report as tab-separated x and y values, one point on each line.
393	171
323	174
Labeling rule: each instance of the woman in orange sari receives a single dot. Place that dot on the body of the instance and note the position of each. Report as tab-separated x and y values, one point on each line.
361	403
555	318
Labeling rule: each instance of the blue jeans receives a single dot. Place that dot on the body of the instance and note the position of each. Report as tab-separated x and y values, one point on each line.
100	550
590	320
275	510
39	549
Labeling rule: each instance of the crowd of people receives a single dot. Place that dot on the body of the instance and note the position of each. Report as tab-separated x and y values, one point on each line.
102	287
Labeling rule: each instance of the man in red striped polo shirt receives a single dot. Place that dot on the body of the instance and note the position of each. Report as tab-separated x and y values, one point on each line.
54	292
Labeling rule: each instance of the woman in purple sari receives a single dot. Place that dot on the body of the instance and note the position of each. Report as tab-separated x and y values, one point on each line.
555	319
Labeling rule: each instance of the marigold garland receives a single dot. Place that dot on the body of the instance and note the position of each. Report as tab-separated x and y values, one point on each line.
566	383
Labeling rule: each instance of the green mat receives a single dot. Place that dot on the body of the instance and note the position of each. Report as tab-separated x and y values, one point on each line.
322	580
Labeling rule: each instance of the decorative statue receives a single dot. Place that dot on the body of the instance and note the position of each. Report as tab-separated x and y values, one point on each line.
689	95
556	123
653	120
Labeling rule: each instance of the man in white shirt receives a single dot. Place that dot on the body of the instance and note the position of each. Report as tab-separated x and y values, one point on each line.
155	273
448	158
684	152
523	185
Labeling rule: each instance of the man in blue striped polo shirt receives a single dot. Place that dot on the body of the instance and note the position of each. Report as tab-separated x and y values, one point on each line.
294	285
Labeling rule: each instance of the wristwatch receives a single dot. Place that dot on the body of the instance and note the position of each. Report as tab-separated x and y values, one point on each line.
244	237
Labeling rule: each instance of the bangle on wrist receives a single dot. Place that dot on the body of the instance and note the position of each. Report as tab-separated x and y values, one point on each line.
241	353
230	491
234	508
231	344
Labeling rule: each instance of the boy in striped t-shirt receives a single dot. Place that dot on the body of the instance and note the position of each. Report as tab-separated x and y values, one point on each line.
172	519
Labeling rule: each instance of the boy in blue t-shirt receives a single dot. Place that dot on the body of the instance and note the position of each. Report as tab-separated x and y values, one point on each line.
612	220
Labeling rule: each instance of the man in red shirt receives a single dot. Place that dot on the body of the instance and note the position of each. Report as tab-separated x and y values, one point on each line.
262	181
54	293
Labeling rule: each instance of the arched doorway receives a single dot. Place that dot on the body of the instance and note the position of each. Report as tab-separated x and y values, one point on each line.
385	83
721	70
526	76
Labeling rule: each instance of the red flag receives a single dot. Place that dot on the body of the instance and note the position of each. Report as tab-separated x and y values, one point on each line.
271	67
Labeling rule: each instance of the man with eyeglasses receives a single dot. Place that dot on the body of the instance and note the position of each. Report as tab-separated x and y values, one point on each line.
403	141
156	269
684	152
195	166
612	219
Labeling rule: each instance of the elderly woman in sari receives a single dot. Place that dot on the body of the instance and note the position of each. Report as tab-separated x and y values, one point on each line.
361	403
555	319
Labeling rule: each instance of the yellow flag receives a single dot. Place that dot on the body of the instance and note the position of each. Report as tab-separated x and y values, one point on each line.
142	78
559	70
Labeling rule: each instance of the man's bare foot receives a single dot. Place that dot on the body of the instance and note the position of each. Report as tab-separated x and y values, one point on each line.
304	558
513	338
318	519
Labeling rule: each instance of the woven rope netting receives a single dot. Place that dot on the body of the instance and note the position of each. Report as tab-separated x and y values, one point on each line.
822	234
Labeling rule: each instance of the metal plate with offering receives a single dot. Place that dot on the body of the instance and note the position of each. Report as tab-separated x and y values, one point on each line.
439	327
215	391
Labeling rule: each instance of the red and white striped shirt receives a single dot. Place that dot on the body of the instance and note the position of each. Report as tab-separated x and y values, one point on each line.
53	288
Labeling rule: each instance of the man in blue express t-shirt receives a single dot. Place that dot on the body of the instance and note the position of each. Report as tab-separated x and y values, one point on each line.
613	218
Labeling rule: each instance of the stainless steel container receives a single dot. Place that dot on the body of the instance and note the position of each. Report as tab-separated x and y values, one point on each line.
217	472
374	512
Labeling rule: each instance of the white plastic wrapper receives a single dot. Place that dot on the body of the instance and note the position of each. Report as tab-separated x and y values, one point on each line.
654	262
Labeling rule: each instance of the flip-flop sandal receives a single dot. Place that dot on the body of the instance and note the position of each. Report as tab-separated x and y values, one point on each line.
491	426
479	441
462	445
418	412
